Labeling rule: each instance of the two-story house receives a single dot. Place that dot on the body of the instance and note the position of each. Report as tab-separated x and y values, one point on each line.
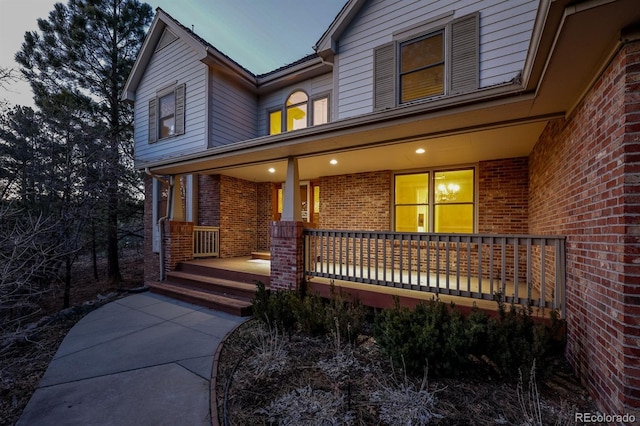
454	147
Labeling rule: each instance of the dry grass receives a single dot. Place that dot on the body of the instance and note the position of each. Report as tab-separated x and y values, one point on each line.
321	381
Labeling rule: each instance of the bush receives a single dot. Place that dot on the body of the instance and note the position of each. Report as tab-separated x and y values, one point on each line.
450	344
292	310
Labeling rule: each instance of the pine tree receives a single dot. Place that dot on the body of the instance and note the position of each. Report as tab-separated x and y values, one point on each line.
86	49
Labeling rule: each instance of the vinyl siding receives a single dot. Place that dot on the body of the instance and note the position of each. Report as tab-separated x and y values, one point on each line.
505	28
233	111
314	87
175	64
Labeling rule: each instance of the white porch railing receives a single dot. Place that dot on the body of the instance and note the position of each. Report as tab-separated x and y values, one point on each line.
206	241
524	269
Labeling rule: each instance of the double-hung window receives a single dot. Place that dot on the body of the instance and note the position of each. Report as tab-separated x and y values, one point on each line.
435	201
421	73
167	113
434	60
299	112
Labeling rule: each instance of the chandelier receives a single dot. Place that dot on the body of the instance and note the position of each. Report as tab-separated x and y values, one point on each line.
447	192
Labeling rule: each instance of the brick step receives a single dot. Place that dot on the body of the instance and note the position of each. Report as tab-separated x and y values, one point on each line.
234	306
213	284
225	274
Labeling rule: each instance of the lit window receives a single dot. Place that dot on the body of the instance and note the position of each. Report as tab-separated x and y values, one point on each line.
440	201
422	68
320	111
296	111
299	112
453	203
275	122
412	202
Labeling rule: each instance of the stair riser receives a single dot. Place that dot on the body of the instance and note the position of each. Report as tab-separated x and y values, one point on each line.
243	312
211	287
243	277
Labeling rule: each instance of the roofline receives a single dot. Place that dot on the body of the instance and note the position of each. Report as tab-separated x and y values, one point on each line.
327	44
206	51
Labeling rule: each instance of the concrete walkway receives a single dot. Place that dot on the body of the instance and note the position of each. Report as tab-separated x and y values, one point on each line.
141	360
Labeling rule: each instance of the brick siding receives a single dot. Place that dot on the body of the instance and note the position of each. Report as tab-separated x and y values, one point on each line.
584	183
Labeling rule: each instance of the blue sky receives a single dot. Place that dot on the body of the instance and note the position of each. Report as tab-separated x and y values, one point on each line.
260	35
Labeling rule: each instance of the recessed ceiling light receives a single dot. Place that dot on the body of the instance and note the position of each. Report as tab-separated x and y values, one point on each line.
420	151
272	170
333	162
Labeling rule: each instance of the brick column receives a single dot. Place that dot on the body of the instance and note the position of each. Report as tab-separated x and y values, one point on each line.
287	254
177	243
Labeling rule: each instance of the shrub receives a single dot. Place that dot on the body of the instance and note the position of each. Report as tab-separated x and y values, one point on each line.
451	344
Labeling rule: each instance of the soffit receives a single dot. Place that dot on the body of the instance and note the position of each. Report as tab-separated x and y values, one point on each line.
587	35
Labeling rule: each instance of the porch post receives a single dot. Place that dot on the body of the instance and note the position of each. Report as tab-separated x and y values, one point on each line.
291	207
287	239
177	210
177	238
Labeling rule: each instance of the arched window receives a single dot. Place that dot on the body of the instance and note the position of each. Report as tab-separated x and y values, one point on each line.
299	112
296	110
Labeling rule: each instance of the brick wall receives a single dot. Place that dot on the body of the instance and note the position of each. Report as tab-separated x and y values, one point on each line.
584	183
264	206
356	202
209	200
178	243
238	213
503	196
287	255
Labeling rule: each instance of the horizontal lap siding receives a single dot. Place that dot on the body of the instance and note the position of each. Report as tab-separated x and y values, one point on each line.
175	64
505	29
233	111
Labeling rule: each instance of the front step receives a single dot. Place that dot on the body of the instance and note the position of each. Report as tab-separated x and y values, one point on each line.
213	284
231	305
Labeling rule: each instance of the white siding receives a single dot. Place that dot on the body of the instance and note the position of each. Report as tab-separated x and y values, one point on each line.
505	29
233	111
175	64
314	87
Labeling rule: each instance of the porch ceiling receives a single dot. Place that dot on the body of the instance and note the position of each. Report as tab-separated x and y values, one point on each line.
467	148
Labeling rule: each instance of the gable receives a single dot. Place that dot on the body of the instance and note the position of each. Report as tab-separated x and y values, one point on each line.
167	38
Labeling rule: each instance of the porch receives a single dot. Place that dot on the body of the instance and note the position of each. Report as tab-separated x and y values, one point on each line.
376	267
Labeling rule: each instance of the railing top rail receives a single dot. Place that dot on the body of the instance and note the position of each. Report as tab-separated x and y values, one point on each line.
316	231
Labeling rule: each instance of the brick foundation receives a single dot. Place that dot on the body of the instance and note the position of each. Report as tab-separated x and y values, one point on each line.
177	243
585	184
287	255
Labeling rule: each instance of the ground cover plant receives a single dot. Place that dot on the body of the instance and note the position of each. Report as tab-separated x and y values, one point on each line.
335	365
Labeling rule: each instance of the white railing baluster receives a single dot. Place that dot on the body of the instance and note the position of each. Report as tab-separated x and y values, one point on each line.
206	241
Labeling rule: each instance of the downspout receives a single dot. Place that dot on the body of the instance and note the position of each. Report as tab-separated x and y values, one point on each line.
161	221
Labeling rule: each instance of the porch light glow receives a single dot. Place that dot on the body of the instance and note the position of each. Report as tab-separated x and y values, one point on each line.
333	162
272	170
420	151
